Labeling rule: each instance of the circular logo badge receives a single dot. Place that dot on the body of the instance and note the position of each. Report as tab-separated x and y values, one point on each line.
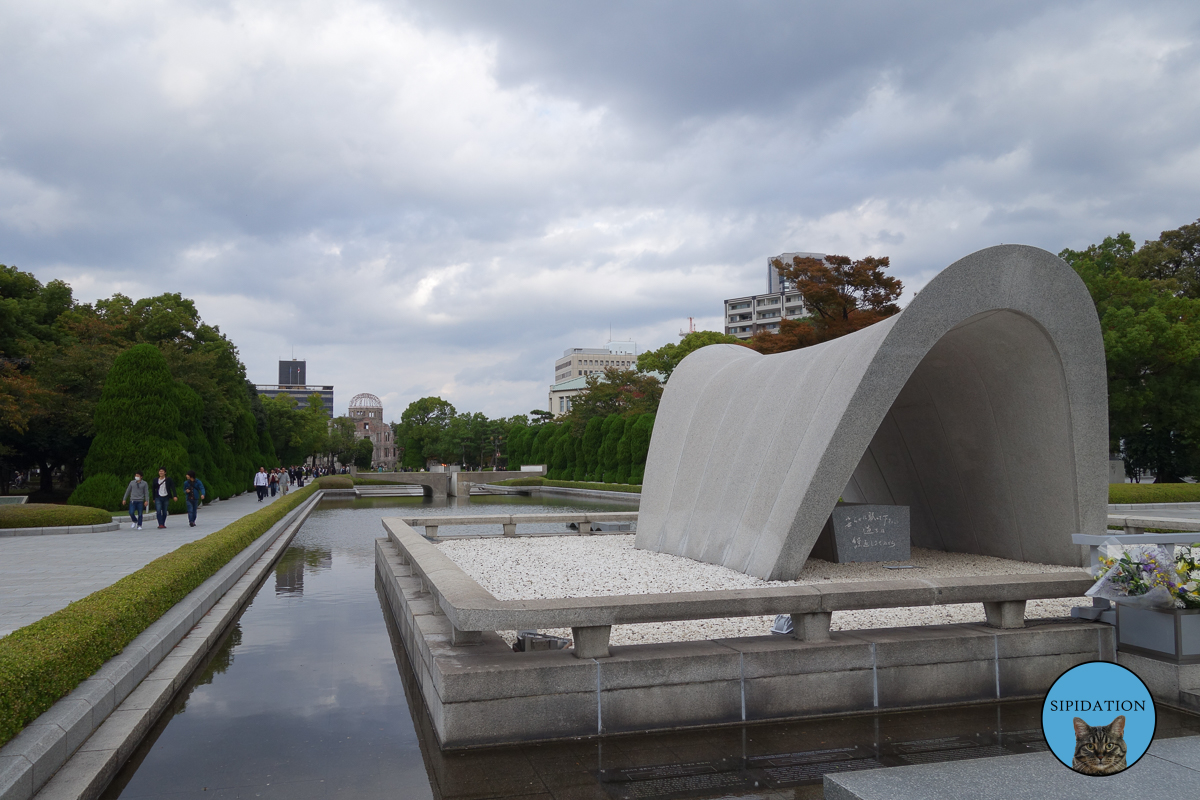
1098	718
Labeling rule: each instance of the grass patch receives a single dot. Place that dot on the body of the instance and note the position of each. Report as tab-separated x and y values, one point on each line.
603	487
1154	493
45	515
335	482
44	661
374	482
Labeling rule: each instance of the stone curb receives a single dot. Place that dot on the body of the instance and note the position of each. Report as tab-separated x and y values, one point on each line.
35	754
1147	506
61	529
588	493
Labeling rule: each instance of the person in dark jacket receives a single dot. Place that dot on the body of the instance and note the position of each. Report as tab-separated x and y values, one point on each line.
163	491
193	494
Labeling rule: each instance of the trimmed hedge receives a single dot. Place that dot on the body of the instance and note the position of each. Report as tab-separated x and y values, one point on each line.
604	487
1154	493
48	515
46	660
371	482
336	481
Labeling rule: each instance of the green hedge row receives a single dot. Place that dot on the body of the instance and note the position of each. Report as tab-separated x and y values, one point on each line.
335	482
44	661
49	515
604	487
1154	493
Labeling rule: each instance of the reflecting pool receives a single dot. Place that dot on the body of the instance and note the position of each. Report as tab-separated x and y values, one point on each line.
306	698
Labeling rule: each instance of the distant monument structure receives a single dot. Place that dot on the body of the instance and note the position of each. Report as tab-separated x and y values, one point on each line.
982	407
367	412
293	383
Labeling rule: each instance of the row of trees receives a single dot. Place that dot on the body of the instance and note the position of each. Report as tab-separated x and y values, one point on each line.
1148	301
55	357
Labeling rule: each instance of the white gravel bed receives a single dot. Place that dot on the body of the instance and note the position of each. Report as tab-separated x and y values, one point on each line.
598	566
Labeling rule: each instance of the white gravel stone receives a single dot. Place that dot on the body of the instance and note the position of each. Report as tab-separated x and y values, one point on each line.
598	566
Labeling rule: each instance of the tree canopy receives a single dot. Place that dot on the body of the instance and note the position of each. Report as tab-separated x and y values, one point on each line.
841	296
665	359
1151	329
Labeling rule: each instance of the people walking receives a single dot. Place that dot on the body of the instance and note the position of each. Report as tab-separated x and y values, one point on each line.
163	491
260	483
136	494
193	495
273	481
284	481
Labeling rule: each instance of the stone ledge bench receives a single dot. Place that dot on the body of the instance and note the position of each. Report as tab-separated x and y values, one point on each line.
472	610
509	522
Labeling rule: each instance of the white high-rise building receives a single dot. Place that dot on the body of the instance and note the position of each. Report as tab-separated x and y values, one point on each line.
746	316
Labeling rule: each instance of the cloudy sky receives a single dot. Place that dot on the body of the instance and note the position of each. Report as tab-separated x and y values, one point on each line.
438	198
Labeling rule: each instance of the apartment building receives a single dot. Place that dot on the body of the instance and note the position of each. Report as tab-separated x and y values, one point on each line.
746	316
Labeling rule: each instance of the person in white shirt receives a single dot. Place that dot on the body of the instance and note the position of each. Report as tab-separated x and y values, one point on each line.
260	483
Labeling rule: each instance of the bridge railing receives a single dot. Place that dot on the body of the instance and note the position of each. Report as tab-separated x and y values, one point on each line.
509	522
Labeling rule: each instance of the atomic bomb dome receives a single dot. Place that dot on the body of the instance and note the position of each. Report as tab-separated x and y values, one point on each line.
367	412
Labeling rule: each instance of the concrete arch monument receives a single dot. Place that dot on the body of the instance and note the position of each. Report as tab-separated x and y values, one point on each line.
982	406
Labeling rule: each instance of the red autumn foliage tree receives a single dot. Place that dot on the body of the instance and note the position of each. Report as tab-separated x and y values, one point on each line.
841	295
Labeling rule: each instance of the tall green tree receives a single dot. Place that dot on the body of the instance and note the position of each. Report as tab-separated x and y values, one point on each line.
665	359
1151	330
615	392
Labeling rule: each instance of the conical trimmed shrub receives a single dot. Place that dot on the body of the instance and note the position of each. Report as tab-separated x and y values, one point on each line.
137	422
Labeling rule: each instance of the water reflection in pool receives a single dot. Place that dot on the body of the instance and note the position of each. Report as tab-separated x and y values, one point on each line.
306	698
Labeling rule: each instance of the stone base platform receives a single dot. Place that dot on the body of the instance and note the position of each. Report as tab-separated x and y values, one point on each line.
1167	767
485	694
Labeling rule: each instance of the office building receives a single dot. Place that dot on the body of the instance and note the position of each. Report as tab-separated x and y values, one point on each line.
746	316
571	371
578	361
292	382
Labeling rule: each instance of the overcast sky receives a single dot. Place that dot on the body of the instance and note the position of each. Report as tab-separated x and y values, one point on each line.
438	198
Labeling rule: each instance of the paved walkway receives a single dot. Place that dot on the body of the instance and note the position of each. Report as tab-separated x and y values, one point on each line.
1170	768
41	574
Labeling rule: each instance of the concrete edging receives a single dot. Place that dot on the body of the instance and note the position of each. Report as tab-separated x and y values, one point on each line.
34	756
485	694
1149	506
103	527
599	493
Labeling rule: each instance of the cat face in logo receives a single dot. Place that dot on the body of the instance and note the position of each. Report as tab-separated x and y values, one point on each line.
1100	749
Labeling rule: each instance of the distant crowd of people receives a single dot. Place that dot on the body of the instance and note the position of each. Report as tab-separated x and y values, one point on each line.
139	494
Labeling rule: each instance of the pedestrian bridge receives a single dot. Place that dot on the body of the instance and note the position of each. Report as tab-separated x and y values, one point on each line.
440	485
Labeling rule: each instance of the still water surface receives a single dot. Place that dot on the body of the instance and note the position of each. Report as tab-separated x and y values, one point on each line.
306	698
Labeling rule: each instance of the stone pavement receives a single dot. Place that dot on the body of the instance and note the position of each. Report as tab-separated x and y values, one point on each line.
1170	768
41	574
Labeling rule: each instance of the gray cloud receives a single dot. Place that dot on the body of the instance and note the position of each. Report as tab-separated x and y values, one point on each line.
437	198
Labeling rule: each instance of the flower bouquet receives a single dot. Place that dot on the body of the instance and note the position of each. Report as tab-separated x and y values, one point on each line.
1149	576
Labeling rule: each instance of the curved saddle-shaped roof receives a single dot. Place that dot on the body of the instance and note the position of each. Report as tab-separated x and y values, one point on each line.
982	406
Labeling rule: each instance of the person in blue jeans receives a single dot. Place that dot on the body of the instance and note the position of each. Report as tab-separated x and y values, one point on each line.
163	491
193	494
136	494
